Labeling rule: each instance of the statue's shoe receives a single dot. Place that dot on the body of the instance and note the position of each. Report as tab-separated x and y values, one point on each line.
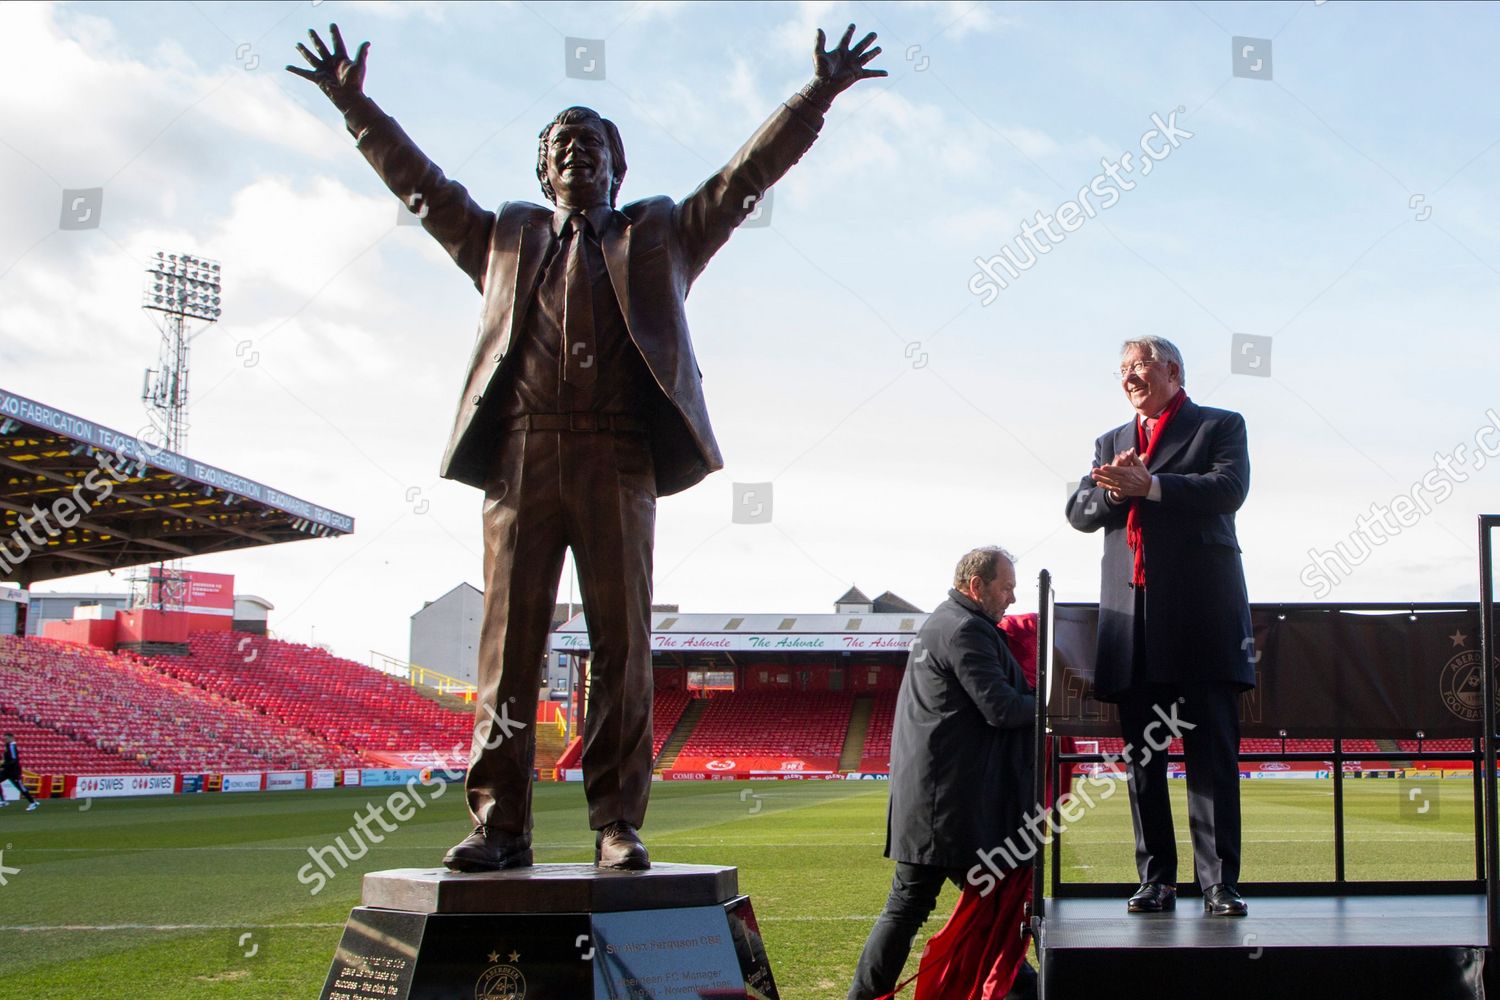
619	846
487	850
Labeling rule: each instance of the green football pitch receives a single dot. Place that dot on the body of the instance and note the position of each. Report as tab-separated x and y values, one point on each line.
199	895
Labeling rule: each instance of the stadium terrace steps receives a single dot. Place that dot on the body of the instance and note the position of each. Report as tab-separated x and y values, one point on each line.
443	699
549	748
666	712
687	722
877	751
859	729
124	708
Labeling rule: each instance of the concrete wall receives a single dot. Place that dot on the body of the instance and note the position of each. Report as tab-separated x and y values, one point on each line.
445	634
59	607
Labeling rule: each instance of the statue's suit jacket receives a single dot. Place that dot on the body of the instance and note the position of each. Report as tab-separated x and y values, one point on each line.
655	251
1197	610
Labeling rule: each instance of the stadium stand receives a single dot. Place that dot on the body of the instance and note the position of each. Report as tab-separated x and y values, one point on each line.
667	708
47	751
1264	745
340	701
245	702
1443	746
132	713
791	724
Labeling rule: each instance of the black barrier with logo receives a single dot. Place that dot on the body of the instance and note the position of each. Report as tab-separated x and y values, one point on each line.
1333	672
1490	820
1330	672
1357	671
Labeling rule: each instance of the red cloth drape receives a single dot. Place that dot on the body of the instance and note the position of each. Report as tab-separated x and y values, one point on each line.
1020	639
979	950
1020	633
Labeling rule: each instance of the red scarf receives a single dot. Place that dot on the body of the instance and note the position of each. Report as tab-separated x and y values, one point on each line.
1146	449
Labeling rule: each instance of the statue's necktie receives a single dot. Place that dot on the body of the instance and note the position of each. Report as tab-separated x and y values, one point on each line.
579	366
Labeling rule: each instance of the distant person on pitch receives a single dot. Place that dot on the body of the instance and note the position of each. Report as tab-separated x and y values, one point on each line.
961	761
1174	618
10	770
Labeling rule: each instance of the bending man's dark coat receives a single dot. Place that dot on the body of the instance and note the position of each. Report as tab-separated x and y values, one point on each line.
961	750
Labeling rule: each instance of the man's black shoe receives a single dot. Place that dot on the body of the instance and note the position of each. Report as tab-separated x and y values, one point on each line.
1153	897
1224	901
619	846
487	850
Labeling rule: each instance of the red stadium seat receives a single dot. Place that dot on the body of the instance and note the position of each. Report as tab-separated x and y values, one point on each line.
266	706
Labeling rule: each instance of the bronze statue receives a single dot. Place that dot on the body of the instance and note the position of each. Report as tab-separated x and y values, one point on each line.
582	404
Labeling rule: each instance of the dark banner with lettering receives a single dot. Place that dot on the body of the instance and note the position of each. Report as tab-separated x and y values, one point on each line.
125	447
1320	672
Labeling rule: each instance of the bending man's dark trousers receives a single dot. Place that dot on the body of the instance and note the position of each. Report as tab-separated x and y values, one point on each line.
914	892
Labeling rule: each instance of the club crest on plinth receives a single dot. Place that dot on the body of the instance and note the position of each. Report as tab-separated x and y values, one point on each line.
501	981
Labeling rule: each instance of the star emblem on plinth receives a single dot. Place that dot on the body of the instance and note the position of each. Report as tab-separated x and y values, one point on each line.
515	957
1458	637
494	957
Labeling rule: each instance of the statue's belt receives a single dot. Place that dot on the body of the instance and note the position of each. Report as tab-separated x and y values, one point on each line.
585	422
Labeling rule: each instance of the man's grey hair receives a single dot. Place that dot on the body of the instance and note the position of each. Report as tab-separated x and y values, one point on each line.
1159	349
983	562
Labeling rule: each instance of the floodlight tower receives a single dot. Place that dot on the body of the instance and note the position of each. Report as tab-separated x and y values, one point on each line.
180	288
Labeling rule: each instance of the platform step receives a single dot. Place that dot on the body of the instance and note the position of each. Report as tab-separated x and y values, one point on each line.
1356	946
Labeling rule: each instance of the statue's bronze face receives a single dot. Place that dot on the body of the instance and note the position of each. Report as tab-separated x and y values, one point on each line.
579	166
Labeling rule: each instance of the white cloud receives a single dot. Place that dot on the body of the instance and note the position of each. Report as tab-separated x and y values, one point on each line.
962	18
403	10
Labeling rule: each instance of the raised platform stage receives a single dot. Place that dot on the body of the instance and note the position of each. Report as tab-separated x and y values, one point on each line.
1370	947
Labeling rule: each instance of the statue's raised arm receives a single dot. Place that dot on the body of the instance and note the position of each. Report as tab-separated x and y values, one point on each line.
447	212
706	218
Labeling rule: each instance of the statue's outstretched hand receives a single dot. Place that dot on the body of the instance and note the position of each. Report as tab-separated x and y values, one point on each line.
841	68
338	76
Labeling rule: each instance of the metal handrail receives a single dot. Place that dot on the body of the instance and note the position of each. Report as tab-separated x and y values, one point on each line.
1487	524
1043	667
415	675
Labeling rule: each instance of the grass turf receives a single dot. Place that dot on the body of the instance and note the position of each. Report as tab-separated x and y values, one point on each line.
149	898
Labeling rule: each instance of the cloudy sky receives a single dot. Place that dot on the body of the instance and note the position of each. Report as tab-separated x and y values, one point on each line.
1337	196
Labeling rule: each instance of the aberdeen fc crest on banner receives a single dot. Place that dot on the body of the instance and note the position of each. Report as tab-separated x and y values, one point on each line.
1460	685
